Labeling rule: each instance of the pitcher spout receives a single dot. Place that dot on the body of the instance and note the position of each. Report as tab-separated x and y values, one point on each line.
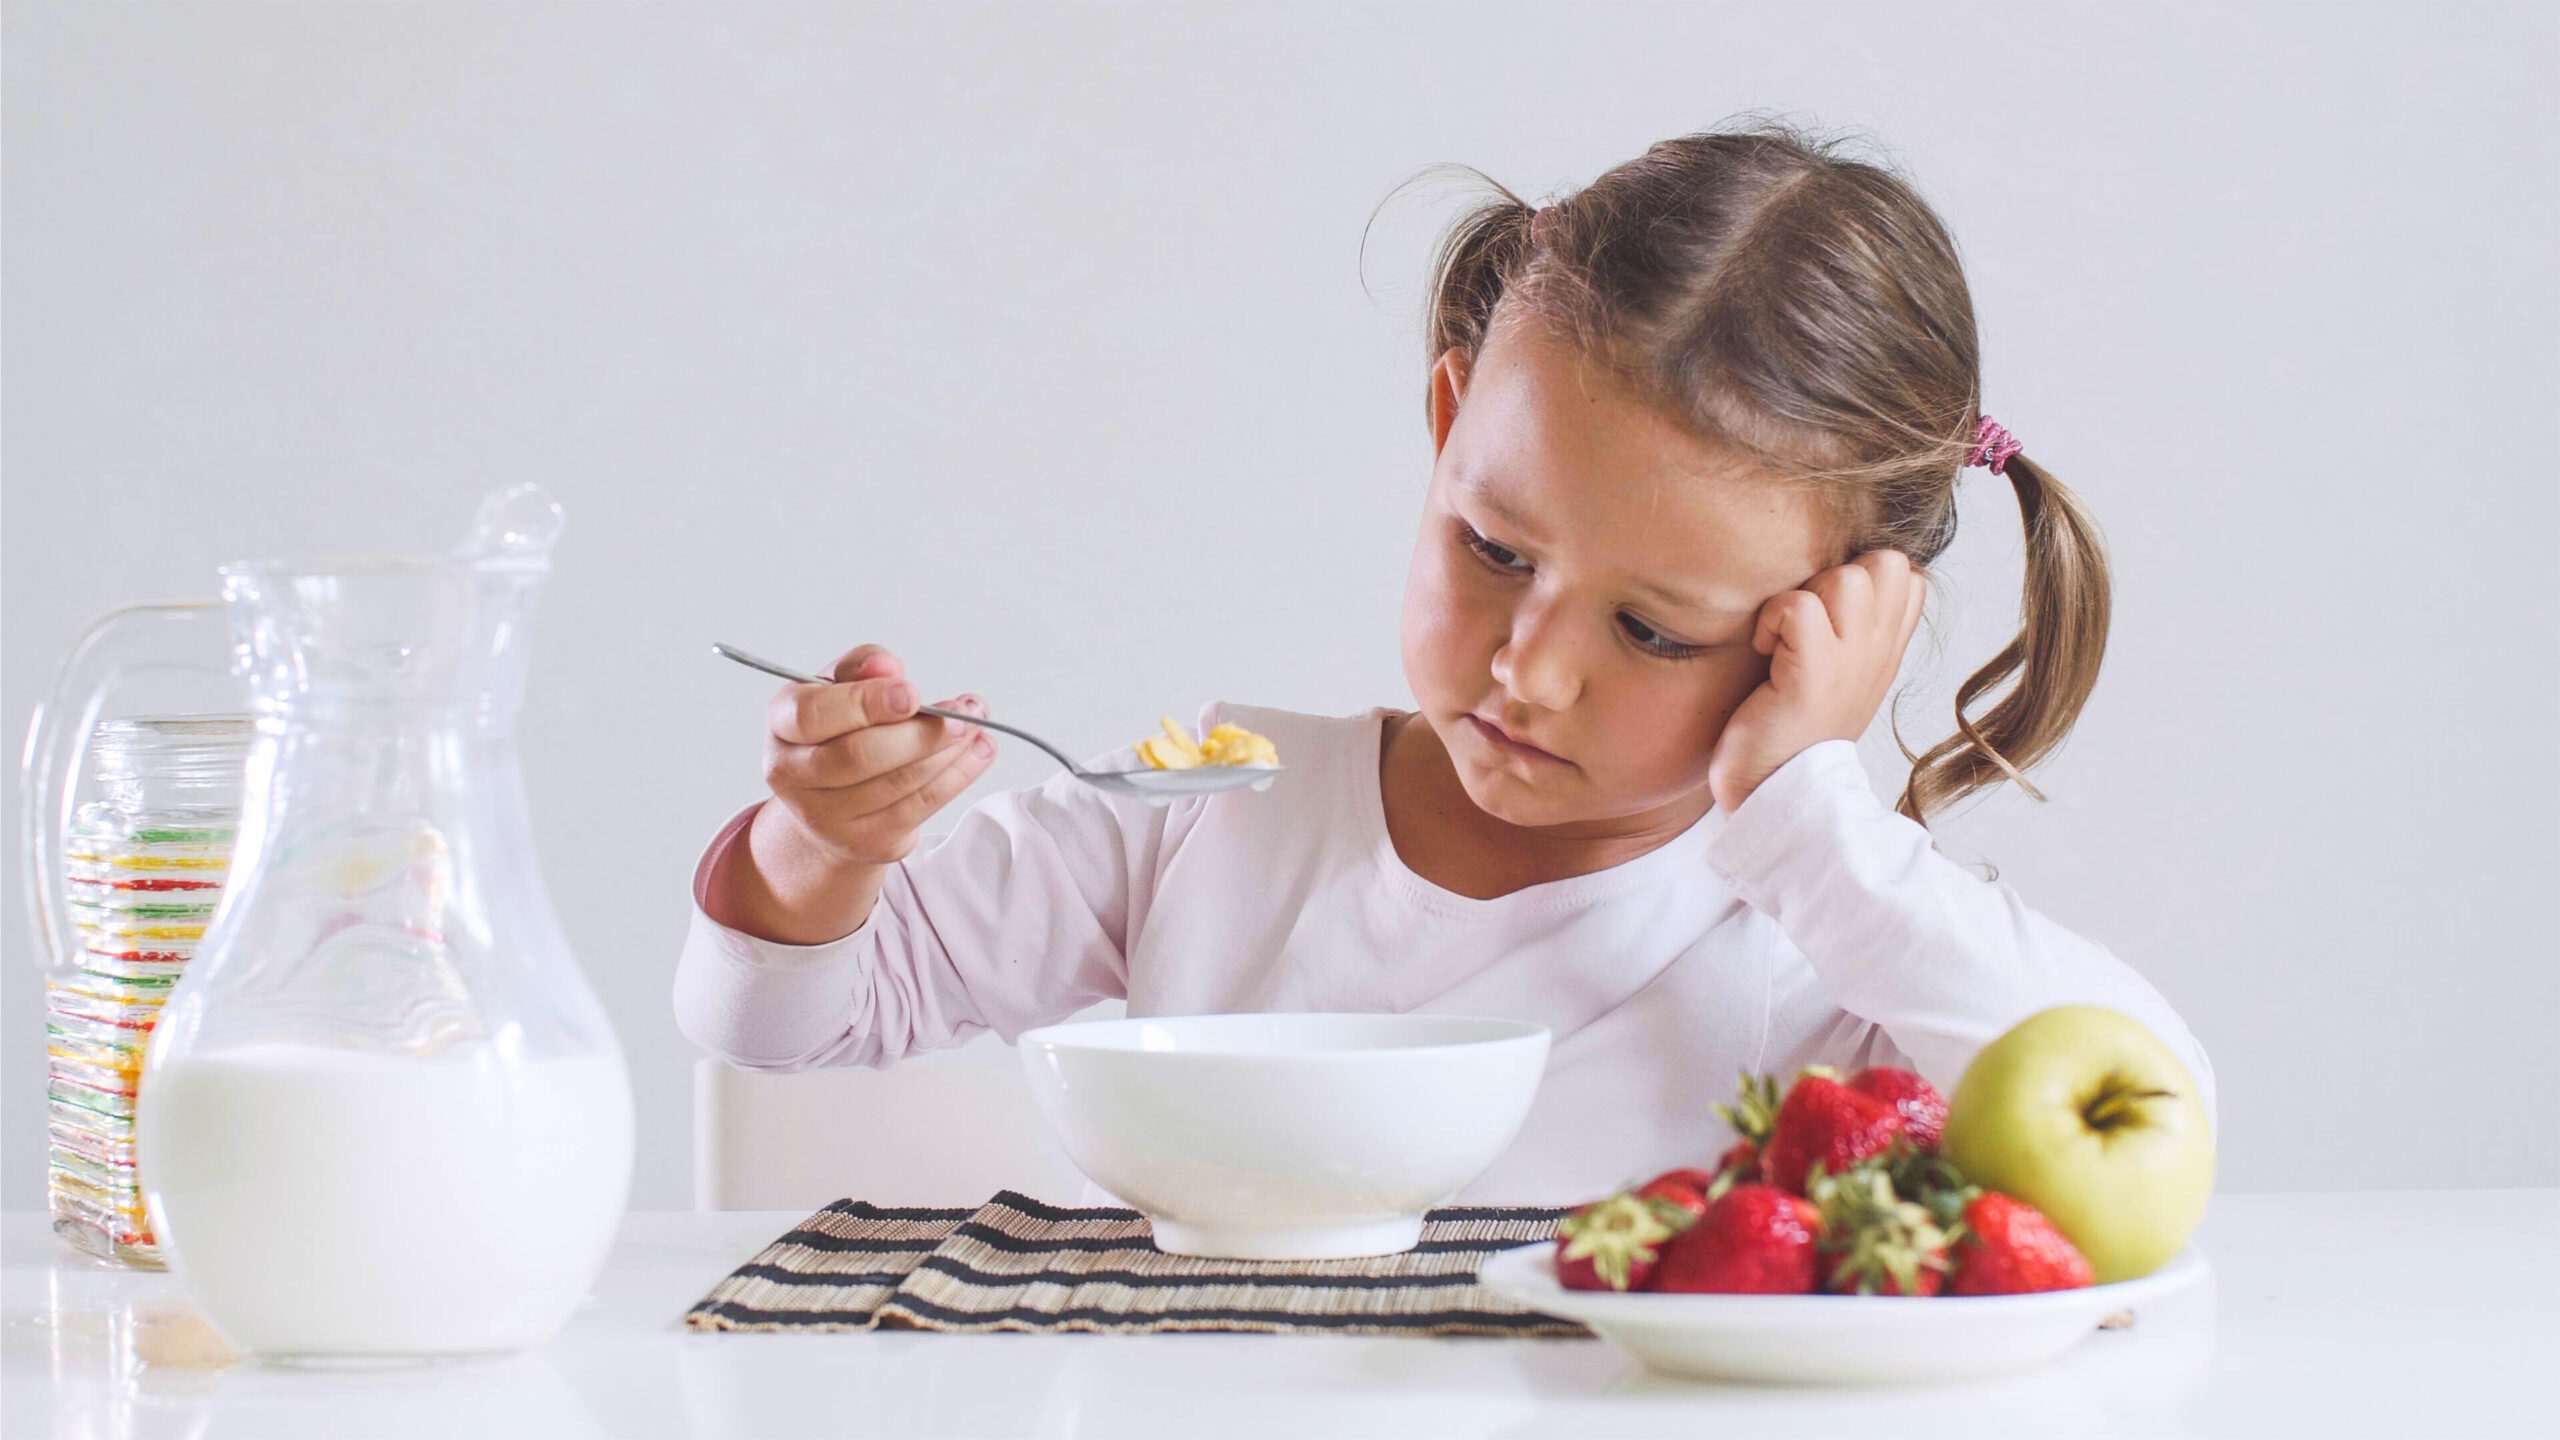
440	632
514	530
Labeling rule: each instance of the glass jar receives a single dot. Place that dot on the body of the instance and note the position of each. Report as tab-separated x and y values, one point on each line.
143	869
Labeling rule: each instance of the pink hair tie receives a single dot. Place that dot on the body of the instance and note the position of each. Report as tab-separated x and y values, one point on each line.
1537	222
1992	446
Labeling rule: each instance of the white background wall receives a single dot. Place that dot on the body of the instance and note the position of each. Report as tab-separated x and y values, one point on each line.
980	331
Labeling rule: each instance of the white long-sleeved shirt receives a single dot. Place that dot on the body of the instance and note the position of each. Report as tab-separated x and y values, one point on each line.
1811	925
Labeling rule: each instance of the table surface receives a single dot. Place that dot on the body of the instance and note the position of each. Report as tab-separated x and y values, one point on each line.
2402	1313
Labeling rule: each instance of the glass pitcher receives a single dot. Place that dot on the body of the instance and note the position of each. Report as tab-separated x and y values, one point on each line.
383	1115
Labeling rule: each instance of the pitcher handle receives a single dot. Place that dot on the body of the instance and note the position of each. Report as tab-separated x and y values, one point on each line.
121	644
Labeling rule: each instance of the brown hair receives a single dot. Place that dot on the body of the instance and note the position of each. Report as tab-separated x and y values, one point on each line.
1809	310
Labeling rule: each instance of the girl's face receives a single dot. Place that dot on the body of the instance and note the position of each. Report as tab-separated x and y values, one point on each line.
1578	619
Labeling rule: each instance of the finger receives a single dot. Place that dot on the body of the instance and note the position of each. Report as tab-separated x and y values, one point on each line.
867	662
882	822
1796	618
1913	604
966	705
1848	592
816	714
965	767
858	755
1893	579
882	790
1885	565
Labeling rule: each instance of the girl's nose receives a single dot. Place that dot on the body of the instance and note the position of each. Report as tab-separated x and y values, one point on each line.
1537	665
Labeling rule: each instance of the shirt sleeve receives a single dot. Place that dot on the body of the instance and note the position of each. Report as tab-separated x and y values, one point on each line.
1019	918
1905	938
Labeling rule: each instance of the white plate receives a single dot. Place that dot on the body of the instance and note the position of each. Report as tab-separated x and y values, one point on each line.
1833	1339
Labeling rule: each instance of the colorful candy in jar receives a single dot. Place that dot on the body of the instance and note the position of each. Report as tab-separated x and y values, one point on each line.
144	870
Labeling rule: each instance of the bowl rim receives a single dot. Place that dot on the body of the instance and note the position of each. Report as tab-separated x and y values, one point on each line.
1079	1035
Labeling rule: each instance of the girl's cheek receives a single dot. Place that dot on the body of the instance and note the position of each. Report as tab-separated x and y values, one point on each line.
1445	629
1728	685
1682	722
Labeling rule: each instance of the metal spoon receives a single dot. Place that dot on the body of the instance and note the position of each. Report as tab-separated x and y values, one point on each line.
1158	787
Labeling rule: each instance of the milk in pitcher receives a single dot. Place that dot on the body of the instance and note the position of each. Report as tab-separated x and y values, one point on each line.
339	1202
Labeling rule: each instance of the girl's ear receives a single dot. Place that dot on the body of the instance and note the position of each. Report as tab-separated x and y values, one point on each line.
1448	387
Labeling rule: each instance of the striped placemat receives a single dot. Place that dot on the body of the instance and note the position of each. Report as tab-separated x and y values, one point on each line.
1017	1264
829	1272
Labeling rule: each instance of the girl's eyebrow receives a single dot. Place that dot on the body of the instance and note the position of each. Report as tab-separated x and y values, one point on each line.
1681	599
1492	503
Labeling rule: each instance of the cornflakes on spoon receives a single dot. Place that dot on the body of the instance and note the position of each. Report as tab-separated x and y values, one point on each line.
1230	745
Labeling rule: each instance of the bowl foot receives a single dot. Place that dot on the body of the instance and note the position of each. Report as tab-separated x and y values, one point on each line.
1338	1241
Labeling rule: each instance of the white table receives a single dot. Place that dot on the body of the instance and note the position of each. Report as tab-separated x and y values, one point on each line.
2412	1313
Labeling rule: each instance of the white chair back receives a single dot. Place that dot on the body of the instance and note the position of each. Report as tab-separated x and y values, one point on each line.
943	1129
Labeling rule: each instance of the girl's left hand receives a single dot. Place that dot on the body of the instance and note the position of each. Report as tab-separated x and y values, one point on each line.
1834	648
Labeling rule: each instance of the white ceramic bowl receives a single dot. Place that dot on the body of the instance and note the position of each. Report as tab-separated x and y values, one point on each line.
1286	1137
1833	1339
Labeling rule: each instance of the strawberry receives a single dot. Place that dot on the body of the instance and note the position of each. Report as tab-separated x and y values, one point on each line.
1925	1177
1825	1123
1685	1190
1755	1111
1612	1244
1755	1240
2010	1248
1924	1110
1750	1115
1738	1165
1874	1241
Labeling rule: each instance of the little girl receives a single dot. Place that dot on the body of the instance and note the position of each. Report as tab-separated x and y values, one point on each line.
1698	433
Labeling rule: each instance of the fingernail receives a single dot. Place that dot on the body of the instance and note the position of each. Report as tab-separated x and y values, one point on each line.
900	697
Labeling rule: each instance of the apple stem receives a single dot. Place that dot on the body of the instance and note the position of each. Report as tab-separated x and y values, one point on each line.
2113	1107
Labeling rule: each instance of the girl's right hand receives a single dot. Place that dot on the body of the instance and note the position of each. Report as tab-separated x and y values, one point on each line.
854	766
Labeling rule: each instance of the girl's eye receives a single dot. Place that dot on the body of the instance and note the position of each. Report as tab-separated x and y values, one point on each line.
1654	642
1508	561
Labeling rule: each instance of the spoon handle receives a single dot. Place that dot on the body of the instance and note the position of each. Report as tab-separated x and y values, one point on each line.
758	662
981	720
785	672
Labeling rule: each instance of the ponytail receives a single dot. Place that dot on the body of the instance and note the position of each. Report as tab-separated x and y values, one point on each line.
2061	641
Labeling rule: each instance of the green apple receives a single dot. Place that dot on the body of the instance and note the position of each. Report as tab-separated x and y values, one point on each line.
2084	1114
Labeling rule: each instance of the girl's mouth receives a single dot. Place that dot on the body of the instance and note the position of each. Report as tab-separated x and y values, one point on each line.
1505	742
